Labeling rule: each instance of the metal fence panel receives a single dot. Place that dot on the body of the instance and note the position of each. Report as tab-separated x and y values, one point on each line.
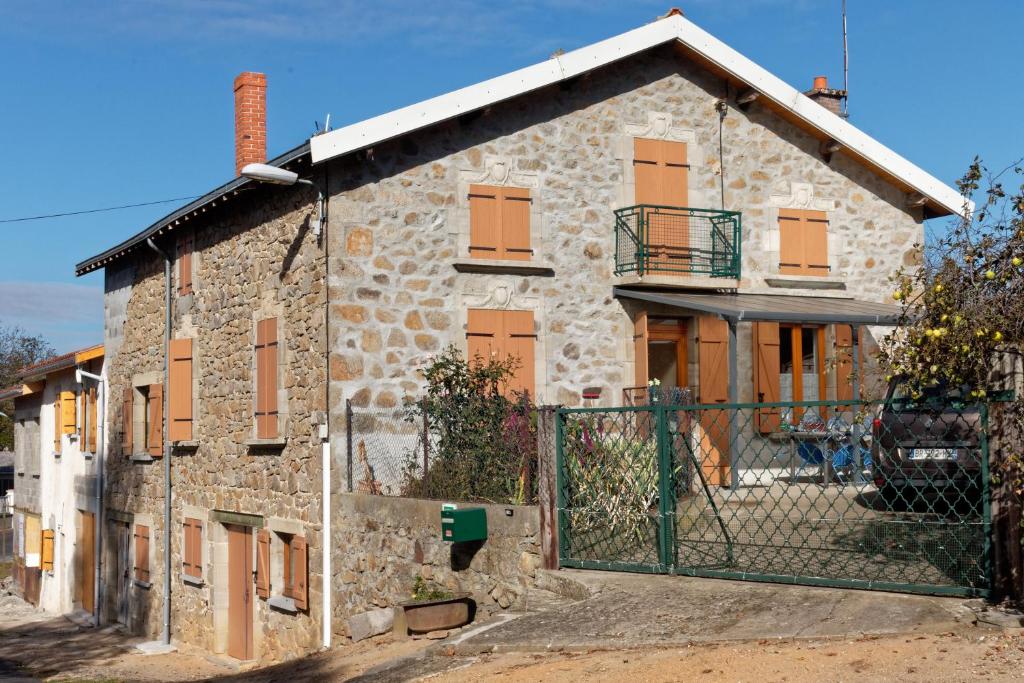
890	497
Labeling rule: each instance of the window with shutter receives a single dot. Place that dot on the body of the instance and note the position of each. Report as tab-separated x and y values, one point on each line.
46	555
67	412
91	417
802	367
297	570
803	242
180	393
499	222
127	416
500	335
192	548
155	420
766	375
263	563
266	379
661	178
141	553
185	265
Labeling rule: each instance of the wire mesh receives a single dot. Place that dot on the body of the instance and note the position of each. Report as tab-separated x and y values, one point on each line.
397	452
663	239
889	496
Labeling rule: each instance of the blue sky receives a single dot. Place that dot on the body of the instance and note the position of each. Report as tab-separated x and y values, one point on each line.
116	103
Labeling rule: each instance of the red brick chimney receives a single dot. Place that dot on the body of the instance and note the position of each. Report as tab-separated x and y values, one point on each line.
827	97
250	119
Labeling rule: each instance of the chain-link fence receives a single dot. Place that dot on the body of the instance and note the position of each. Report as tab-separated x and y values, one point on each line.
892	496
403	452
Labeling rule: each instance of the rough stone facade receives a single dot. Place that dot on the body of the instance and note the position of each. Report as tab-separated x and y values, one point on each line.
387	542
259	260
398	226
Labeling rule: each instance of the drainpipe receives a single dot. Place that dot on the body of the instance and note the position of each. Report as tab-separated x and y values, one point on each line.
167	444
98	525
325	493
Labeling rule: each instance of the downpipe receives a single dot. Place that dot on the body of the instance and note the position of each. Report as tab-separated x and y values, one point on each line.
166	637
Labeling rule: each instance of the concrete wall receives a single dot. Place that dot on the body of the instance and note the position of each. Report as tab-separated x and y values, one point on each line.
256	259
382	543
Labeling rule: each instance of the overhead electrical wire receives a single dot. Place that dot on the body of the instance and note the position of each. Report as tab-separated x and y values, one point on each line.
109	208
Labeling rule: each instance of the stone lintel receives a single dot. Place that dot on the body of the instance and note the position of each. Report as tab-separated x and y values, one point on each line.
240	518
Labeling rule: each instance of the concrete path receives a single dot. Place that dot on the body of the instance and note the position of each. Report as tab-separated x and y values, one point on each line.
636	610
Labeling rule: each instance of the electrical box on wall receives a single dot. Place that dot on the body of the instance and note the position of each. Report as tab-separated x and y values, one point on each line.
459	526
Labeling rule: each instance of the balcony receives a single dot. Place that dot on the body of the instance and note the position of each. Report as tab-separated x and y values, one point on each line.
669	240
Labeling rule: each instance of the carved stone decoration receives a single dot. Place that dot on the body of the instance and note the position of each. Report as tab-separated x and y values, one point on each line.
498	171
501	295
800	196
659	126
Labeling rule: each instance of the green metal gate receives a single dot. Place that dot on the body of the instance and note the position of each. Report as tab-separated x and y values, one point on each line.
851	494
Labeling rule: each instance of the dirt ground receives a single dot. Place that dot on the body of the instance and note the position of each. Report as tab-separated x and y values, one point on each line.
968	656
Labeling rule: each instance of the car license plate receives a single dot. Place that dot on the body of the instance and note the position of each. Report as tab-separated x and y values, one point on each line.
933	454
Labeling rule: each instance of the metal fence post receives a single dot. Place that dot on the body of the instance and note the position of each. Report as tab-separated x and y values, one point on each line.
348	440
986	500
666	554
426	438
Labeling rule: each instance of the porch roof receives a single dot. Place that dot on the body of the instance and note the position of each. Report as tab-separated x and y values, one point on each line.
772	307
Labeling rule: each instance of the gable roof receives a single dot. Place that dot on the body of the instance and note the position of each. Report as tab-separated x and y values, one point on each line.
941	198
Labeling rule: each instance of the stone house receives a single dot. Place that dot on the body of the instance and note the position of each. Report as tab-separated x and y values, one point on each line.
653	206
58	436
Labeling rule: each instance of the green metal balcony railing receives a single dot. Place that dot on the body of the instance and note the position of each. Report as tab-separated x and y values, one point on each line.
677	240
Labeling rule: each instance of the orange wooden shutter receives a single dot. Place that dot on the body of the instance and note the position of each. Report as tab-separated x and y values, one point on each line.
640	339
300	561
67	412
141	552
266	379
675	174
127	410
713	359
56	424
192	551
90	420
515	224
519	343
767	377
185	265
646	171
483	335
263	563
155	438
484	221
844	361
180	428
46	559
803	242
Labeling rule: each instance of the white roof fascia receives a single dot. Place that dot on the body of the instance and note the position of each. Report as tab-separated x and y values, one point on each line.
400	121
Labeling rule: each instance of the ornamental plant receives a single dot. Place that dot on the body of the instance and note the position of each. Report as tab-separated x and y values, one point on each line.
483	436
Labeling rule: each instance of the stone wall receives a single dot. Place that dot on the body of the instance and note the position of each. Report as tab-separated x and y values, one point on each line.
399	224
382	543
256	259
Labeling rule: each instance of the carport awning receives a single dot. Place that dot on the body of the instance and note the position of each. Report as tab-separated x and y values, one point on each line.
773	307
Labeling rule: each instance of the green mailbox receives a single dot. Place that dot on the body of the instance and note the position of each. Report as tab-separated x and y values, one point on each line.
459	526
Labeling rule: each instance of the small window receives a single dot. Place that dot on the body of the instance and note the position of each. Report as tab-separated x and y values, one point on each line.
499	335
803	242
499	223
294	561
184	265
192	548
801	365
142	553
266	350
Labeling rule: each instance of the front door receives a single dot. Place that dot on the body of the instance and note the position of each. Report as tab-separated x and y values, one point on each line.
123	566
86	560
239	591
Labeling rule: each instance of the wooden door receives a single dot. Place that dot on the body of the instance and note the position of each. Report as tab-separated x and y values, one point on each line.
713	359
661	177
239	592
87	560
123	540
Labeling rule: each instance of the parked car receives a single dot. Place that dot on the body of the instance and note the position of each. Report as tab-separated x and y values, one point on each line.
926	447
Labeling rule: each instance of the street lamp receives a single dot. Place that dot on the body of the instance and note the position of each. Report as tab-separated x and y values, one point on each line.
265	173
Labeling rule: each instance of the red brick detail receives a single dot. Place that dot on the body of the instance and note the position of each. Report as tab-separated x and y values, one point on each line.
250	119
